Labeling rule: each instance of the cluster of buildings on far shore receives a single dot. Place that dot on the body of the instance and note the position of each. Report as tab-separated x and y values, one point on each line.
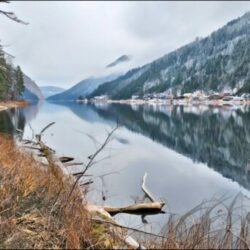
197	97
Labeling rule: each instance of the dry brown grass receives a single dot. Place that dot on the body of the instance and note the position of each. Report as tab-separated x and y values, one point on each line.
12	104
33	213
216	224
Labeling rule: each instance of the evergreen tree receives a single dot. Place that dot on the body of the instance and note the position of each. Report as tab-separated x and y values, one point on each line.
80	98
11	79
10	83
3	82
19	81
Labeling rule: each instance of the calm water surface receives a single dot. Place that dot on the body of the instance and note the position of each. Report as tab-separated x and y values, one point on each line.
191	154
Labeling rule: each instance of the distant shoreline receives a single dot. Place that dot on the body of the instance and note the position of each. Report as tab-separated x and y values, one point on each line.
159	102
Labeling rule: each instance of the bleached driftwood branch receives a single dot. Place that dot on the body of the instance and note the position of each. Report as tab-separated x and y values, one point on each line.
153	207
144	189
142	208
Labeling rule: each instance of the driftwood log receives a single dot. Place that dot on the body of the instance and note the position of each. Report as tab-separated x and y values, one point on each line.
152	207
142	208
65	159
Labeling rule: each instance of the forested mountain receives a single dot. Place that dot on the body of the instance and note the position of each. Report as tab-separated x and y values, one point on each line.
14	84
32	92
48	91
11	78
83	88
215	63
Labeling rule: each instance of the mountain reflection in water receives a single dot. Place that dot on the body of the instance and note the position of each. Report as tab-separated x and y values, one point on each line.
216	137
15	119
219	138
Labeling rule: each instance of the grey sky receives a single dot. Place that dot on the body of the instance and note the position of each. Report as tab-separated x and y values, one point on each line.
66	42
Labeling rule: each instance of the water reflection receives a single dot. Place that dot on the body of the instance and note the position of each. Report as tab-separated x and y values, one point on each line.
11	120
218	138
175	145
15	119
30	112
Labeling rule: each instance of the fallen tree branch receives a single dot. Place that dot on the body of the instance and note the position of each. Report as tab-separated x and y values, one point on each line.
46	127
78	174
39	136
65	159
142	208
69	164
34	148
86	183
144	189
153	207
11	15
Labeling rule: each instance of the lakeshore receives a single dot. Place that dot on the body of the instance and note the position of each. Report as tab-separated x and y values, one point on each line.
41	219
35	211
4	105
197	98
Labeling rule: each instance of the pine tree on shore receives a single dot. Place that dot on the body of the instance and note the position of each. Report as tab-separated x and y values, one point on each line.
11	79
3	83
19	81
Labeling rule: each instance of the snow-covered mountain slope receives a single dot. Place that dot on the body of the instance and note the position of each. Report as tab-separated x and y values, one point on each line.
218	62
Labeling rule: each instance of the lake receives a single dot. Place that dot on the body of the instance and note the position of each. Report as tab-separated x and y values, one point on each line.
191	154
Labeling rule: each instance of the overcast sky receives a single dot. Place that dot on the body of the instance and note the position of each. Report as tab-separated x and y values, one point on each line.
66	42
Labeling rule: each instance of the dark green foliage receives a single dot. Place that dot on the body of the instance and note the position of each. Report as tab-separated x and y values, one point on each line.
3	85
11	120
135	88
11	79
19	81
245	88
80	98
